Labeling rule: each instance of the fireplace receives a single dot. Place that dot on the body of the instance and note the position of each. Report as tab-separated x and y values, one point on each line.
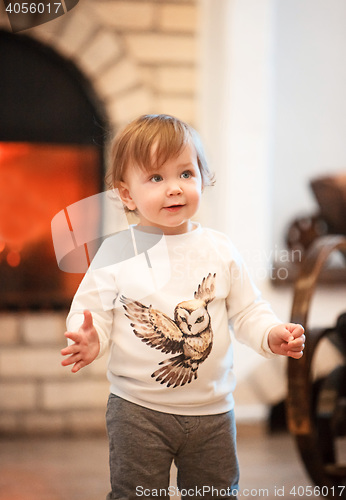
53	131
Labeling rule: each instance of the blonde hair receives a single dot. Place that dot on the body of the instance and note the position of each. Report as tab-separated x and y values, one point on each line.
134	144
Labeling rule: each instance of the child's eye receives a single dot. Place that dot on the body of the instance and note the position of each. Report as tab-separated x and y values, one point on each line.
156	178
186	175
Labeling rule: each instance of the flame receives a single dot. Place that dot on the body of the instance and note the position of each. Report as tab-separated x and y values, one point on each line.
13	258
36	181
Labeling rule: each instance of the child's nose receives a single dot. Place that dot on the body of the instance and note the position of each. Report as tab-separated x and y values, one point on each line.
174	188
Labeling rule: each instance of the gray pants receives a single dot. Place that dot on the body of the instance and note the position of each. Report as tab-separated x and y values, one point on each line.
143	443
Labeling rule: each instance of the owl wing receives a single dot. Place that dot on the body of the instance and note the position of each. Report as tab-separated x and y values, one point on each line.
206	290
153	327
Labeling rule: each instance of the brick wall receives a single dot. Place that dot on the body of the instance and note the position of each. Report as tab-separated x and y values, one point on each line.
160	37
142	58
37	394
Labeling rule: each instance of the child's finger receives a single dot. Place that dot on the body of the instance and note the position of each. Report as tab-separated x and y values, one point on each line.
74	336
294	328
297	343
88	320
77	366
297	331
66	362
71	349
287	336
297	348
295	355
71	360
299	340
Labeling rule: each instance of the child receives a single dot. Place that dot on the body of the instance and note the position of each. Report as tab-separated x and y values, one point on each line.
171	360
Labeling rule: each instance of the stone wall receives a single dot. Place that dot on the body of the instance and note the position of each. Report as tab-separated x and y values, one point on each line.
141	57
37	394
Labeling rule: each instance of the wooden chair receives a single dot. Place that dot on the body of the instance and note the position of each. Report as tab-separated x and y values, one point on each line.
316	411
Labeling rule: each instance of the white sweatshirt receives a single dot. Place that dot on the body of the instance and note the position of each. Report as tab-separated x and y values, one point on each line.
167	313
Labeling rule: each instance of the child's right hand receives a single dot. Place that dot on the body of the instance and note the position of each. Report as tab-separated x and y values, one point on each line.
86	345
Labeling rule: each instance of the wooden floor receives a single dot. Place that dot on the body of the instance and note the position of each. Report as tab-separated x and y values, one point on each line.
77	469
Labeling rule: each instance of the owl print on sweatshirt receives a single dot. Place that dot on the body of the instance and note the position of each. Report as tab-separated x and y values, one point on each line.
189	335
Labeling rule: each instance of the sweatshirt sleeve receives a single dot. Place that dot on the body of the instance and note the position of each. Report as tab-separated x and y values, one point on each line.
250	317
97	293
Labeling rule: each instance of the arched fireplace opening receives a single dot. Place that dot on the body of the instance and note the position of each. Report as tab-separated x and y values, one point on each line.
53	131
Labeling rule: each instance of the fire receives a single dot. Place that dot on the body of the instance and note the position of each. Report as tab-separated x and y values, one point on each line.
36	181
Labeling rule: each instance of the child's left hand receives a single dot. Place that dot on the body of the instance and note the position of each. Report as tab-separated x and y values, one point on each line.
287	339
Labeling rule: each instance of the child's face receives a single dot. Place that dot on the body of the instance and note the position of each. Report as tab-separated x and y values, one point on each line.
166	197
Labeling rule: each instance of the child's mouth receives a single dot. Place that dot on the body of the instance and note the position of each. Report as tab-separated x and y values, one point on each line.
173	208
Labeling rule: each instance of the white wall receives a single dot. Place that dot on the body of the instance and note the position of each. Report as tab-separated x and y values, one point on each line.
272	117
235	118
309	102
273	111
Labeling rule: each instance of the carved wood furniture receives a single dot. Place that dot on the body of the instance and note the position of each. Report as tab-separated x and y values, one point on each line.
316	410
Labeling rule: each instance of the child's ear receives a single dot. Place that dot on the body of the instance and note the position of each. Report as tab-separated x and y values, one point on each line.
125	195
